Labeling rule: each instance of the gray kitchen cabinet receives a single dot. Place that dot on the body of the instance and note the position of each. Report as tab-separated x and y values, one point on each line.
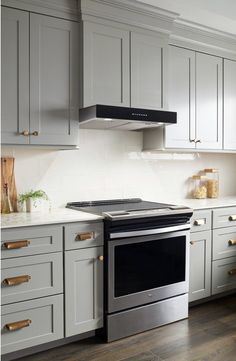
105	71
223	275
209	92
54	81
229	105
83	290
15	76
195	92
148	65
40	54
200	265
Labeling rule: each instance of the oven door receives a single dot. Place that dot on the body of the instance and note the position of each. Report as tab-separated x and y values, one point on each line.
147	268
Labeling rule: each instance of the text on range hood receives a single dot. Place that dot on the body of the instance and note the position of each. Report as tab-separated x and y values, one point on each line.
113	117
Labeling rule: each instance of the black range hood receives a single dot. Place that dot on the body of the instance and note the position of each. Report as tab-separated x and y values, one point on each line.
112	117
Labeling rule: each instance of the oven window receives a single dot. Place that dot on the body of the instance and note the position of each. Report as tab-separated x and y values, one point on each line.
146	265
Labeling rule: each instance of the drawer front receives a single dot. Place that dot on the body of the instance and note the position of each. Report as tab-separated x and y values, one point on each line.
83	235
31	277
201	221
224	217
224	243
31	240
223	275
31	323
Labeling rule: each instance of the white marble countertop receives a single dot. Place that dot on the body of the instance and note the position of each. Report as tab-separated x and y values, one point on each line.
59	215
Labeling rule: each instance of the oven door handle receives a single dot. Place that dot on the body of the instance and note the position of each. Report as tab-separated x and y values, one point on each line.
148	232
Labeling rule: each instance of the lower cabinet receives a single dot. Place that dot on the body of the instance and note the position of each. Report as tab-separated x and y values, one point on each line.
200	266
83	290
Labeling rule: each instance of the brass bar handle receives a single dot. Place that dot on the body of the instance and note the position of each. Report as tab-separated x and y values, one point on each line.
232	242
85	236
192	243
13	281
232	272
232	218
26	133
199	222
16	245
101	258
14	326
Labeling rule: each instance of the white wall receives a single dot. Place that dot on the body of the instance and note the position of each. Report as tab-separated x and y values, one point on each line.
109	164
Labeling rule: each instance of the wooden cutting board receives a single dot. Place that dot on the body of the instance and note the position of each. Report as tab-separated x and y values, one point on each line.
8	176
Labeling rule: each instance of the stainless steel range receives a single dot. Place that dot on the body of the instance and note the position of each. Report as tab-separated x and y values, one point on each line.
146	263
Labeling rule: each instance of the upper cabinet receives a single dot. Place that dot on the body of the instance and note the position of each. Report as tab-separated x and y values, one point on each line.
40	79
229	105
195	92
15	76
122	68
106	70
148	56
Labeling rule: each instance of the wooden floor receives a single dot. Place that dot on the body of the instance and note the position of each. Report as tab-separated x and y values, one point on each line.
208	335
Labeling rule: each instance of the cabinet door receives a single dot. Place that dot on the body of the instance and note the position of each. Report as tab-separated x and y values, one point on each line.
54	99
15	76
208	101
181	98
83	290
229	105
148	59
105	65
200	266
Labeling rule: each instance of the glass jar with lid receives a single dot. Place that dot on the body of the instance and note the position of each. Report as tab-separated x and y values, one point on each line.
212	175
199	186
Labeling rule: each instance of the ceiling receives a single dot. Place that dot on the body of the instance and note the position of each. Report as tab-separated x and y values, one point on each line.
218	14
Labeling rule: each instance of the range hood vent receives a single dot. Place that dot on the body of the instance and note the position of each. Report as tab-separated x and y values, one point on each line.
117	118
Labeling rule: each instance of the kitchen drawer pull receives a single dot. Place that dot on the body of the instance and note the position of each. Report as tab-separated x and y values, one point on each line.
101	258
199	222
192	243
12	281
232	218
14	326
85	236
232	272
232	242
17	244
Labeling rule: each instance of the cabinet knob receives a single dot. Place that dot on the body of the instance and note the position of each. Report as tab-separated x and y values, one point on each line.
35	133
26	133
192	243
232	218
232	242
101	258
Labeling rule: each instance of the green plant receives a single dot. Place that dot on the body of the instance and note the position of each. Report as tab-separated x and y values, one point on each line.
34	195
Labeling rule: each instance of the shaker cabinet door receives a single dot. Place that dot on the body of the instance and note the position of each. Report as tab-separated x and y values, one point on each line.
200	266
83	290
54	98
105	65
208	101
229	105
148	61
181	98
15	76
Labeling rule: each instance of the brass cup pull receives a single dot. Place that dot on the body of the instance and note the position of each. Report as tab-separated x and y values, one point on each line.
17	244
232	242
26	133
101	258
13	281
14	326
199	222
232	218
85	236
192	243
232	272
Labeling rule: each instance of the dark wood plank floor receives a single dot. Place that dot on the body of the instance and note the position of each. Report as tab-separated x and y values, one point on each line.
208	335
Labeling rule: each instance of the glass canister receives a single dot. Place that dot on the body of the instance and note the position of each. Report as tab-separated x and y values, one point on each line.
212	175
199	186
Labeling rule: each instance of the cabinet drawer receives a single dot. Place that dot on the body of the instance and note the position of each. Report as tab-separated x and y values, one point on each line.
201	221
223	275
224	217
30	323
31	240
31	277
83	235
224	243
